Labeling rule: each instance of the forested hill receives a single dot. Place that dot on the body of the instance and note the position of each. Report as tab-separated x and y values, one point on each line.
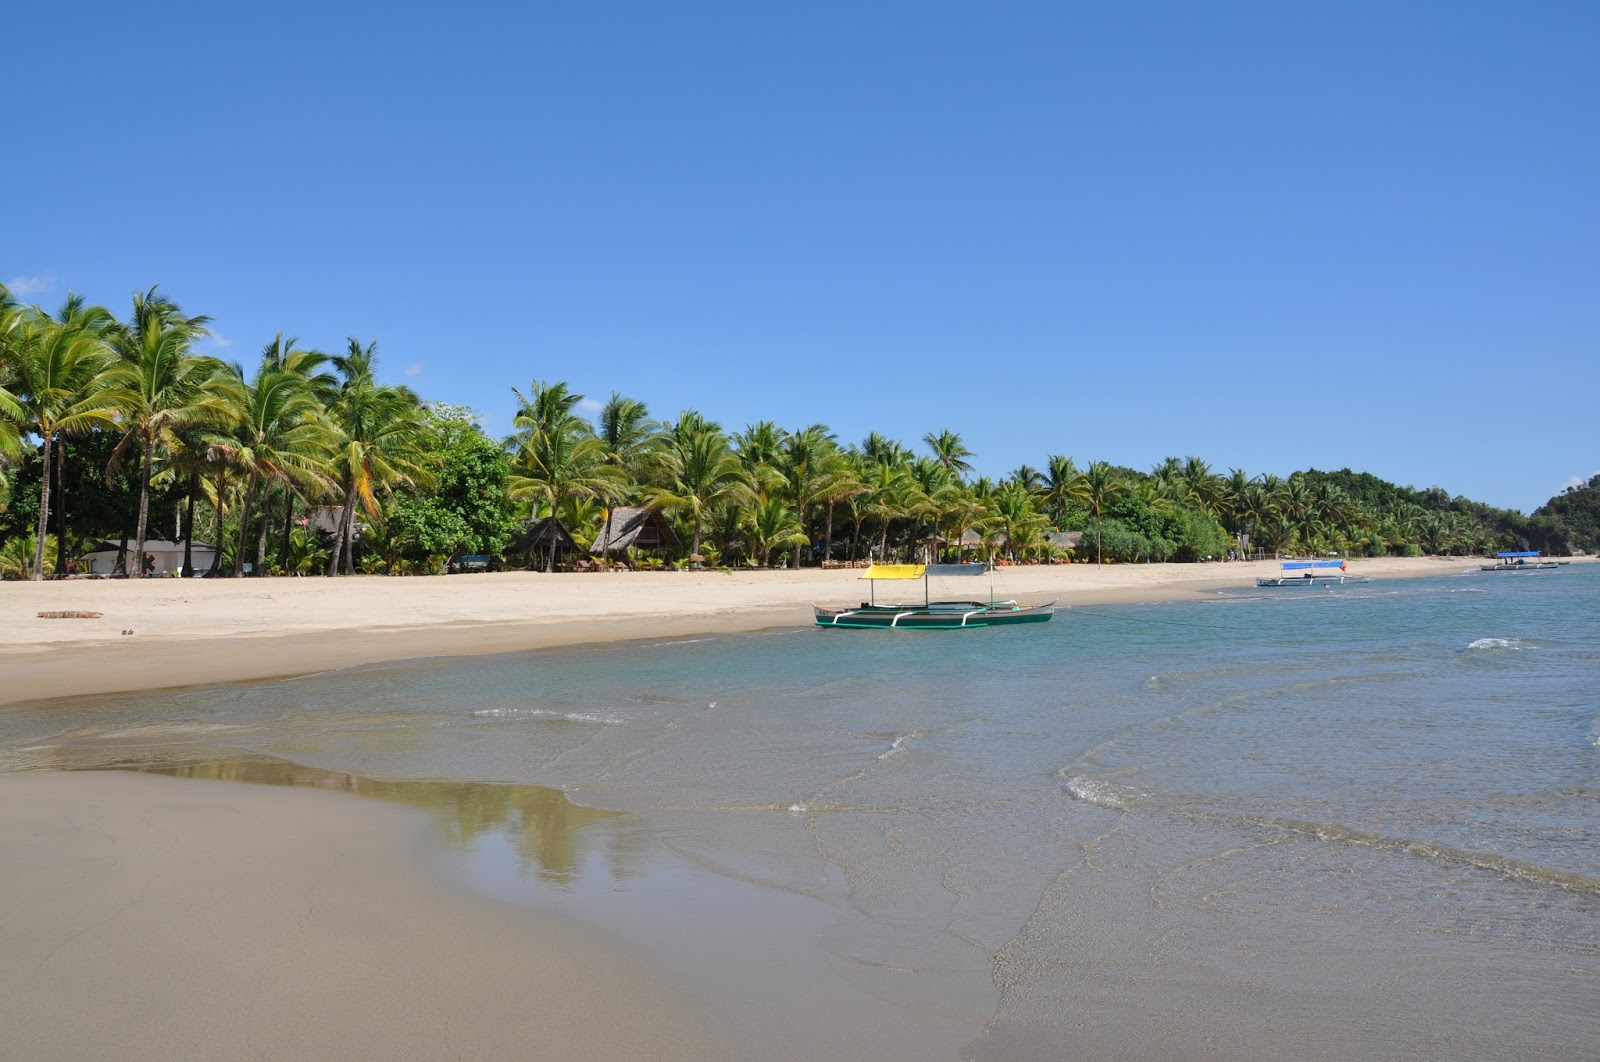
1576	511
1567	524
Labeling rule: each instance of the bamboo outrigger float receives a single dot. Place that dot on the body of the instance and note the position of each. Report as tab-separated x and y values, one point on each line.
930	614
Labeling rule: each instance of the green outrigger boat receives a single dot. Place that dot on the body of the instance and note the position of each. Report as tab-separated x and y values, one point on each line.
931	615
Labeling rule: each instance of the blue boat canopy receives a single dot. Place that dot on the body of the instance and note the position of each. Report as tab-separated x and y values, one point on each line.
1524	553
1291	566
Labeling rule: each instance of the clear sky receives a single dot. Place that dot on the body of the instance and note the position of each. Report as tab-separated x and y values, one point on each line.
1273	235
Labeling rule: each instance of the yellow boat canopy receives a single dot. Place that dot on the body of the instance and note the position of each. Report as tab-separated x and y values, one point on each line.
895	571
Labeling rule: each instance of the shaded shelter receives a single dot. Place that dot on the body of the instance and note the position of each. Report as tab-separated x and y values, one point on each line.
539	537
629	528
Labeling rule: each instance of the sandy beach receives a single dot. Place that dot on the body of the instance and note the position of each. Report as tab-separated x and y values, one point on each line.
142	917
202	631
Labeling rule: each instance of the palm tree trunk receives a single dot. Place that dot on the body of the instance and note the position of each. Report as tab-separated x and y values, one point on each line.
144	505
44	508
555	507
262	534
61	509
244	525
216	553
827	537
288	523
336	553
188	532
350	536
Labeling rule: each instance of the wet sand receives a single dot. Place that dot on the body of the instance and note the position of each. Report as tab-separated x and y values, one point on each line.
152	918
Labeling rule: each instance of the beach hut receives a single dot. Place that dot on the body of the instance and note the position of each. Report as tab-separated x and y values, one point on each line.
539	537
643	529
167	557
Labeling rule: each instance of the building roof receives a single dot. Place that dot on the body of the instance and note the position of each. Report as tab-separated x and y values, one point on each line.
635	529
537	534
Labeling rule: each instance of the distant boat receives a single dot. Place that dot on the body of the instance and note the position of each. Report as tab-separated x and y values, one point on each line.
929	614
1312	574
1521	561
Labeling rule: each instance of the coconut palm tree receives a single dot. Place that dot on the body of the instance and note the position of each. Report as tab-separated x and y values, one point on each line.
161	387
558	456
773	525
950	451
278	434
1097	488
631	440
702	472
57	388
804	458
1059	476
382	443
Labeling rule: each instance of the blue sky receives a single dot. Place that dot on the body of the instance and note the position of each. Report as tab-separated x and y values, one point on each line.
1275	236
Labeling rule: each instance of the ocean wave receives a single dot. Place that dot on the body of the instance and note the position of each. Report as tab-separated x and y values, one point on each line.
1501	643
545	715
1506	866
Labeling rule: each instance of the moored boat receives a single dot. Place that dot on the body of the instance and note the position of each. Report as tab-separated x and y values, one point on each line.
1527	560
1327	573
930	614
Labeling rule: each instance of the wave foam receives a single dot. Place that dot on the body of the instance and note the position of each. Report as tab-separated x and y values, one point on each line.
1501	643
1101	793
545	715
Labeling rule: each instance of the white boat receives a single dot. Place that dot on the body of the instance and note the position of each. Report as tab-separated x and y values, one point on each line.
1312	574
1527	560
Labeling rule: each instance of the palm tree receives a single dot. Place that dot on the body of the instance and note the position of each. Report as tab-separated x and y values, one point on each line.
279	435
773	525
1059	477
702	472
1098	488
382	444
950	451
161	388
559	456
804	459
631	440
57	388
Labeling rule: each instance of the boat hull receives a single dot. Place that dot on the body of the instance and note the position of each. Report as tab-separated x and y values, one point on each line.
1541	566
1315	582
942	615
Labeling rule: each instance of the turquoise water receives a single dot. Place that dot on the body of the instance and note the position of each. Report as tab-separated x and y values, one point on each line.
1356	823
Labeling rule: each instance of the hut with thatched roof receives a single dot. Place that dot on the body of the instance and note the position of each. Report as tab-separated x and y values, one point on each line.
539	537
628	528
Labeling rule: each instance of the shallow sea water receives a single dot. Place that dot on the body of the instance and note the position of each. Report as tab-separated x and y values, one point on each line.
1310	824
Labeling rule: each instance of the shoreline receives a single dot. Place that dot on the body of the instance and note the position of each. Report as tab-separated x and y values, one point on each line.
189	633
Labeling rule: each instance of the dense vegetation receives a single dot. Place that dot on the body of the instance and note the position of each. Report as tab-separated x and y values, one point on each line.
303	462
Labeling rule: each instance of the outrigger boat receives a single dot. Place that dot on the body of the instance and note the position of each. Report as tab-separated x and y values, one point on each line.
1313	574
1523	561
930	614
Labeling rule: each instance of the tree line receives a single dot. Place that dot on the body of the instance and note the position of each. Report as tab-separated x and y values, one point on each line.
305	463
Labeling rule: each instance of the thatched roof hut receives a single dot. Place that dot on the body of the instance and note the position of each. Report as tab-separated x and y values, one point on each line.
1065	539
630	528
539	536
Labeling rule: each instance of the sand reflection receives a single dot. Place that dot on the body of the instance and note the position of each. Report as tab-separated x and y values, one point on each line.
547	830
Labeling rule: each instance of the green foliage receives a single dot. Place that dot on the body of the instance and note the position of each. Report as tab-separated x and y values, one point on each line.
471	486
1573	516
